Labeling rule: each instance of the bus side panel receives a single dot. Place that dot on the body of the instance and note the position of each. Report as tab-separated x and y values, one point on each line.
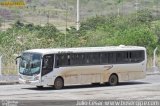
133	71
48	79
81	74
91	74
70	75
120	69
95	74
126	72
136	75
138	71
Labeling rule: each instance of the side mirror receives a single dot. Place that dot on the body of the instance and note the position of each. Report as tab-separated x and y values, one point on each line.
16	59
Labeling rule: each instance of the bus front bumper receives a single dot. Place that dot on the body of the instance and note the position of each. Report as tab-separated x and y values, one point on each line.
30	82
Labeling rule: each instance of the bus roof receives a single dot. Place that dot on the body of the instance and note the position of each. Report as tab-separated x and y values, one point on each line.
85	49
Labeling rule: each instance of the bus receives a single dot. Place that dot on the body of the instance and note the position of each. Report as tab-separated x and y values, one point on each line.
61	67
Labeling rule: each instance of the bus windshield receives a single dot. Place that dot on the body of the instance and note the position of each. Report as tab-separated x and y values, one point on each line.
30	64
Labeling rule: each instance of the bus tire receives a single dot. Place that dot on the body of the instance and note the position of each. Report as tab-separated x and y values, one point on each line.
113	80
58	83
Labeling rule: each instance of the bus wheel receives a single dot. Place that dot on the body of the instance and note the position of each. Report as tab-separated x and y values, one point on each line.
39	87
113	80
58	83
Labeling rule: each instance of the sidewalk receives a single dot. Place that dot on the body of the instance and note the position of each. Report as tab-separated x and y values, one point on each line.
8	79
153	73
8	82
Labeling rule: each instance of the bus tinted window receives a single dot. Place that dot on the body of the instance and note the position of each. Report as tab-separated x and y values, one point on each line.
98	58
77	59
92	58
137	56
104	58
112	57
122	57
62	60
47	65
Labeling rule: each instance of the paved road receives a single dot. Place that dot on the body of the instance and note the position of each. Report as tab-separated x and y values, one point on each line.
146	89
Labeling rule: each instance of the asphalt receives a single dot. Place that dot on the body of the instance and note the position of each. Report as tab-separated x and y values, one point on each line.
13	79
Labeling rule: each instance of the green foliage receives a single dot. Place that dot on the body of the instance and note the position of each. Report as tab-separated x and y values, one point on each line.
92	23
116	30
139	30
0	22
18	24
48	31
155	26
144	16
119	1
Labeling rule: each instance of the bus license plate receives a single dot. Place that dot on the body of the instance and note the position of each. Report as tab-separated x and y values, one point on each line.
27	82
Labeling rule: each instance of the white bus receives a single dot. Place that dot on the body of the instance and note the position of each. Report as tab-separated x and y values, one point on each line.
85	65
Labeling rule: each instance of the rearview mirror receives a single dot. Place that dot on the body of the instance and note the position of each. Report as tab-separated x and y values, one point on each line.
16	59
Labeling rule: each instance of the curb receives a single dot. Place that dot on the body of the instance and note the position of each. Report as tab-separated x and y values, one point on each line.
8	83
152	73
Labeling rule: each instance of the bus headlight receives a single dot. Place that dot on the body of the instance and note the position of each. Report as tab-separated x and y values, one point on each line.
20	76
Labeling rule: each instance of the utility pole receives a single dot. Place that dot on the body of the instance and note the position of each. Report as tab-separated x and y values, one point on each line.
39	15
48	17
154	61
0	65
118	12
136	4
65	40
78	24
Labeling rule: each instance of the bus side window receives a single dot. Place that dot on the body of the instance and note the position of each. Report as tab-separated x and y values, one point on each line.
137	56
74	61
62	60
112	57
92	58
119	57
122	57
104	58
95	58
69	60
56	61
87	61
77	59
47	65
